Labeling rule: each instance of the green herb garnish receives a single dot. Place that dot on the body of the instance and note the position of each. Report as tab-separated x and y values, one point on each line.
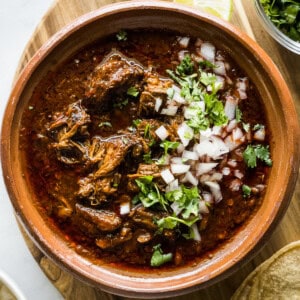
121	35
133	91
246	190
285	15
105	124
186	66
257	152
159	258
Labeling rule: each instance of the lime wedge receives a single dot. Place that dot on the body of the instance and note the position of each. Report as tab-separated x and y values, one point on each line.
219	8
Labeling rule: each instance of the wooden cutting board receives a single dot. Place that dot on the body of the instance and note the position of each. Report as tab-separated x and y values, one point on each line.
244	17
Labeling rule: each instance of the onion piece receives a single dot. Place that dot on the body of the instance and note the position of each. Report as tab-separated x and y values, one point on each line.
185	133
238	174
162	132
158	103
167	176
176	208
180	148
177	97
172	186
219	67
260	134
226	171
125	208
208	51
182	54
189	155
237	134
191	178
203	168
179	168
208	198
176	160
203	209
183	41
231	125
215	190
171	110
232	144
196	233
230	107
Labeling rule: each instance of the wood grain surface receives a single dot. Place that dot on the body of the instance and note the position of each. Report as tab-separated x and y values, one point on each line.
244	16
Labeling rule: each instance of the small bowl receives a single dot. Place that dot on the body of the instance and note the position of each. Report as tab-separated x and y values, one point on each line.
278	35
281	118
9	289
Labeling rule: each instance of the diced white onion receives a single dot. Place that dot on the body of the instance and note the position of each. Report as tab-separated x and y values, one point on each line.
203	209
238	174
196	233
171	110
189	155
176	160
203	168
217	176
230	107
232	143
231	125
191	178
208	51
232	163
167	176
185	133
176	208
226	171
204	134
217	130
235	185
219	68
172	186
260	134
182	54
242	94
213	147
215	190
207	197
180	148
162	132
158	103
237	134
179	168
184	41
125	208
177	97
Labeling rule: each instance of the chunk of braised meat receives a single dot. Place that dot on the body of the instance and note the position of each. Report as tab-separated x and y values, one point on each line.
145	170
69	123
97	189
70	152
155	90
69	130
110	241
144	217
103	220
112	78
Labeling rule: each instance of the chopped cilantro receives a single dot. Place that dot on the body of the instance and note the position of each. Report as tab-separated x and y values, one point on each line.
121	35
205	63
258	126
186	199
159	258
149	193
246	190
252	153
133	91
121	104
186	66
147	158
136	122
246	126
168	145
238	114
171	222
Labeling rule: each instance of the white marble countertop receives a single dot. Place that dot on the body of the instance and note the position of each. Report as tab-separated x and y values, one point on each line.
18	19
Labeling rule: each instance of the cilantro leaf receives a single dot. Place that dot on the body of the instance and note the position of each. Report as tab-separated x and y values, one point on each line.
121	35
158	257
149	193
186	66
246	190
252	153
133	91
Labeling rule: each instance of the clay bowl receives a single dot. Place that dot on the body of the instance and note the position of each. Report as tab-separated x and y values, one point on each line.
281	118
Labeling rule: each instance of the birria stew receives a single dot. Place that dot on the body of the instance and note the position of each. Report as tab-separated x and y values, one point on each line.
147	149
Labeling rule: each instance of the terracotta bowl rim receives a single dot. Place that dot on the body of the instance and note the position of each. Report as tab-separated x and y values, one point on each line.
145	289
